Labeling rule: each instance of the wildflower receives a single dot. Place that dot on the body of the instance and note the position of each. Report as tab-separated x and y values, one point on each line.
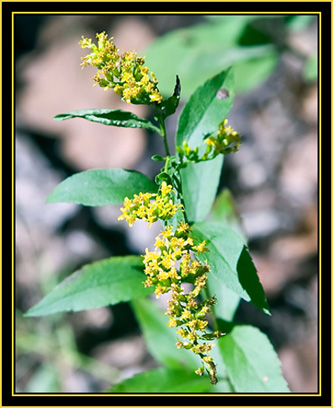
172	263
172	322
150	207
182	332
201	248
184	312
227	140
125	73
200	371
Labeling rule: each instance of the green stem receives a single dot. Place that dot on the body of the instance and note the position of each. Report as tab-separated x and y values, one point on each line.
213	316
163	133
164	136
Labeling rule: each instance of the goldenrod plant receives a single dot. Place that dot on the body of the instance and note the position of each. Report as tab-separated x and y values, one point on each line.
200	262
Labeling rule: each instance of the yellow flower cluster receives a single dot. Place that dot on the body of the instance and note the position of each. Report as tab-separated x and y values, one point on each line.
226	141
172	263
125	73
150	206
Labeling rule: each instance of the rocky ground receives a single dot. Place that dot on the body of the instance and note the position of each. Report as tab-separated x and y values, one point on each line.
273	178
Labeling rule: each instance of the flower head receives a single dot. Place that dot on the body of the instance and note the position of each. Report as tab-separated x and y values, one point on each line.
125	73
150	207
227	140
171	263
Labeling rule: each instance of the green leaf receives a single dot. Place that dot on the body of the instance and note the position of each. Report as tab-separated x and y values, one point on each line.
210	47
205	110
254	70
230	262
161	339
201	116
102	283
101	187
199	186
110	117
224	210
169	106
251	362
169	380
227	300
299	22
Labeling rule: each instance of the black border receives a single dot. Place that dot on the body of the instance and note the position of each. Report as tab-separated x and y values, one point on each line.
162	399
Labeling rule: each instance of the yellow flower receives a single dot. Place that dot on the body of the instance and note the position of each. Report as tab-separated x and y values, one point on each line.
201	247
160	290
172	322
193	336
167	261
167	233
186	315
165	188
182	332
148	282
163	276
124	73
173	274
171	264
179	344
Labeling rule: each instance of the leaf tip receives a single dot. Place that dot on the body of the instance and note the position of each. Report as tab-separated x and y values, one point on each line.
267	311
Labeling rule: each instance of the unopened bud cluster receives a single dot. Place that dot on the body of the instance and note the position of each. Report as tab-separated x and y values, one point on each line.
125	73
172	263
226	141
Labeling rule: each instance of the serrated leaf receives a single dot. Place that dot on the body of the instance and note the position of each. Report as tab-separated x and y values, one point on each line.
166	380
200	182
101	187
205	110
251	362
160	339
230	262
102	283
110	117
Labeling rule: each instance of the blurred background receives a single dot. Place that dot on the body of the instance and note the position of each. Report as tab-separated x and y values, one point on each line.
273	179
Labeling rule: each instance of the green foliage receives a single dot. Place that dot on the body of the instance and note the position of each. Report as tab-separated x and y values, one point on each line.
199	183
202	50
169	381
205	109
102	283
224	210
110	117
243	360
201	116
251	361
101	187
231	262
159	338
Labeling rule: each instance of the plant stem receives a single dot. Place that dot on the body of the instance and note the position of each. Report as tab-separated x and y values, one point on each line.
164	135
159	117
213	316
